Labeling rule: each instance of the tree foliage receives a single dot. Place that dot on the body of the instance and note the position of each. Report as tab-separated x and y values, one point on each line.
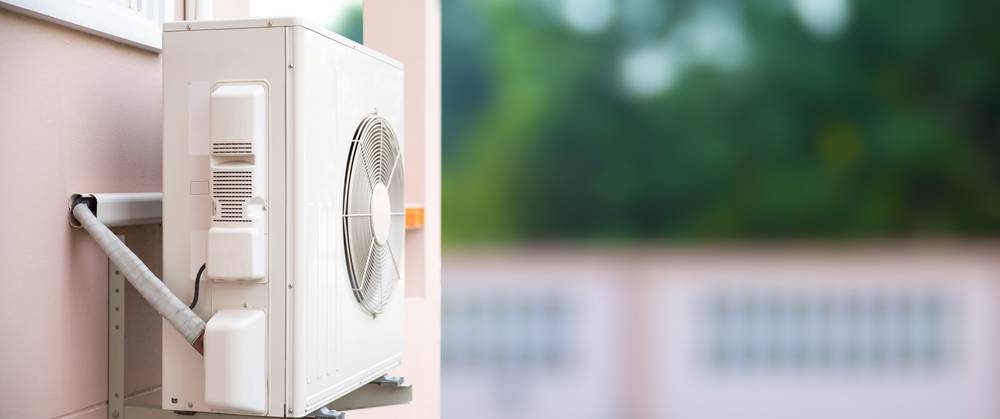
889	127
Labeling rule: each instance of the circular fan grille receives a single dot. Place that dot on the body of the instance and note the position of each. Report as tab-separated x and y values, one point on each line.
374	215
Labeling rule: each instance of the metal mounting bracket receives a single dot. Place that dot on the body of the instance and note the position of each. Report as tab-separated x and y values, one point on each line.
389	381
384	391
116	341
325	412
120	209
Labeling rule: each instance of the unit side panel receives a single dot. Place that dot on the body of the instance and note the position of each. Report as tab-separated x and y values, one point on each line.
316	189
335	345
193	62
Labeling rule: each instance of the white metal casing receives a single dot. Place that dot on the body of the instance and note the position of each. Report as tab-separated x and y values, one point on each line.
320	344
235	365
238	148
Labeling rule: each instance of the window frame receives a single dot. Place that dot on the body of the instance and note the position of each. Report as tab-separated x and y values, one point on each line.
139	25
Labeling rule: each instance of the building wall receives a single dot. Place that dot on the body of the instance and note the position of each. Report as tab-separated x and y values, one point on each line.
410	31
77	113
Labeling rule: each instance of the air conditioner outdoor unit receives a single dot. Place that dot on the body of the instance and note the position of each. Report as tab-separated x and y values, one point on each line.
283	176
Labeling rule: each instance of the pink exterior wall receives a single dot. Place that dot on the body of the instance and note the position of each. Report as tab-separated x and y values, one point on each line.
410	31
77	113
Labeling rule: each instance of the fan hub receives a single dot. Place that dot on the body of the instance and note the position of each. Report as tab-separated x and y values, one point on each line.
381	213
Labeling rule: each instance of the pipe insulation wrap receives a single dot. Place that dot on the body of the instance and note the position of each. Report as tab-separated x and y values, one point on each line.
152	289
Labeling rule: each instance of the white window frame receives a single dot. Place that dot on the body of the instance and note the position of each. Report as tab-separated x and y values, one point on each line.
139	25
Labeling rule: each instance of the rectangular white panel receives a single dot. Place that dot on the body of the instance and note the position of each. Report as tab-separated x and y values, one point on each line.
220	57
235	253
198	97
235	367
238	118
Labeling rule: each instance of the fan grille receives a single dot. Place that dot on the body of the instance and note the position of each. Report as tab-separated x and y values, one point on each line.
374	161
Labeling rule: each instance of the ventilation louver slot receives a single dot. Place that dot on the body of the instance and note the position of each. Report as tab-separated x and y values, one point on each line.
232	149
231	189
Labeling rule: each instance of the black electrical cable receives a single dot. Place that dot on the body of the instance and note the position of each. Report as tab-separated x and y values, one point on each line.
197	286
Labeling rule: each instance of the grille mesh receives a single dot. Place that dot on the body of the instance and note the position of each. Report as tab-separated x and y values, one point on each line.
231	189
232	149
374	158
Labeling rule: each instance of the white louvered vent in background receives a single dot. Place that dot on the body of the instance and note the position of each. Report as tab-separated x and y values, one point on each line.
874	331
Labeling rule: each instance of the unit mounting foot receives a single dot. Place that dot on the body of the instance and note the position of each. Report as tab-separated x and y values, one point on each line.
325	412
389	381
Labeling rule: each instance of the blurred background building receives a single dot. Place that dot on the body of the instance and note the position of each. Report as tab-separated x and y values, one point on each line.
752	332
718	209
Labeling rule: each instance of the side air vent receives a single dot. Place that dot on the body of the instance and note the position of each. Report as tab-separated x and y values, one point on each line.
232	189
237	238
232	149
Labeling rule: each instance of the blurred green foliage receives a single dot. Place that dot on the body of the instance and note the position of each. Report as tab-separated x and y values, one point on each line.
350	24
889	127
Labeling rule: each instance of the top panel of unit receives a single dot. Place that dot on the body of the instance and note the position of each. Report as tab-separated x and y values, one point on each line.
207	25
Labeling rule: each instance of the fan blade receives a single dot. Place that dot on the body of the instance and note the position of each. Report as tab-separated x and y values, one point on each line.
360	238
392	172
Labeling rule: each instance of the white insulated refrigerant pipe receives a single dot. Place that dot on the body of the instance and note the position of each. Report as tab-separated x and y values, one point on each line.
152	289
